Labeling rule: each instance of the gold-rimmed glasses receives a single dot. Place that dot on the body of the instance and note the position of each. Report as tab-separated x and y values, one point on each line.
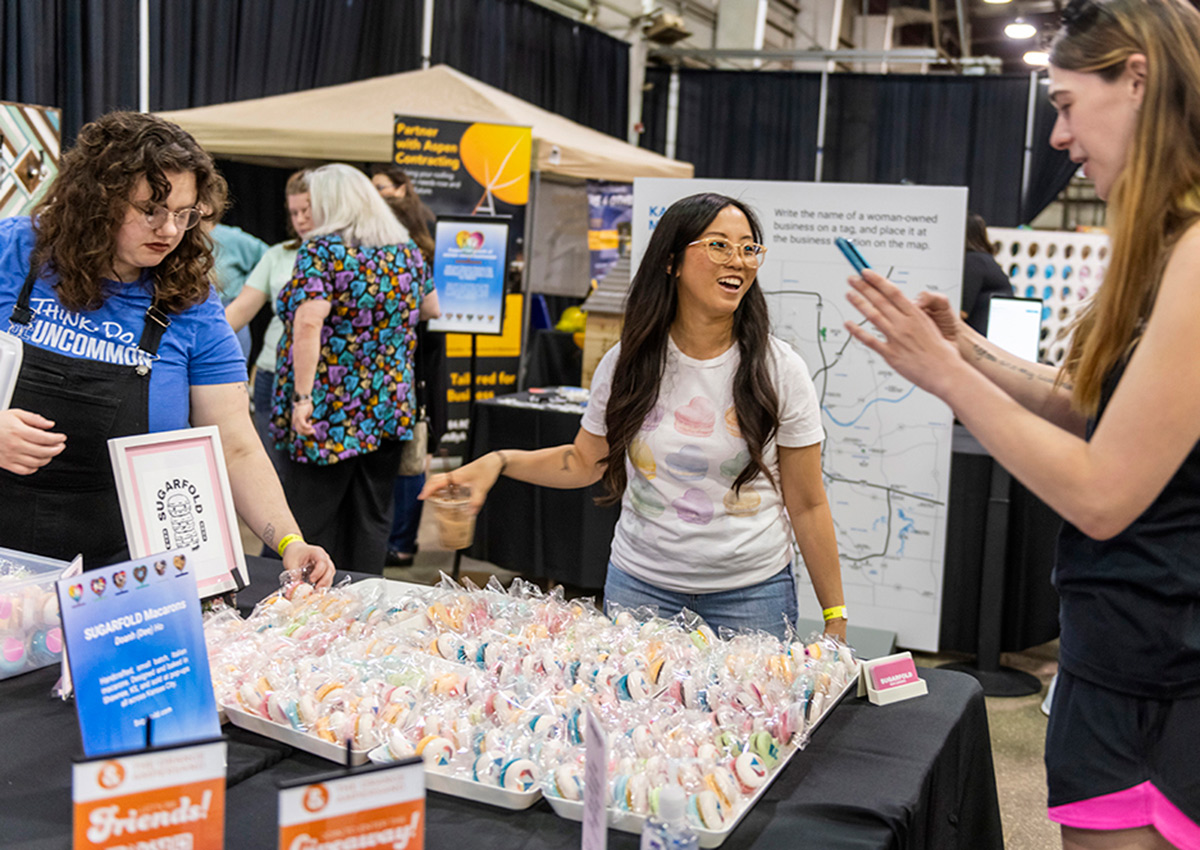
157	215
721	251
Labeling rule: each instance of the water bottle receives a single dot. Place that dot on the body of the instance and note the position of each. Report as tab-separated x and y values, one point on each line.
669	829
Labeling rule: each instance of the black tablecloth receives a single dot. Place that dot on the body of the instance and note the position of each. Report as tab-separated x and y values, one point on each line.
563	536
916	774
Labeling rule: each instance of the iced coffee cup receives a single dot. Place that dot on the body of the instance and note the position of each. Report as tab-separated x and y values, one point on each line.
453	515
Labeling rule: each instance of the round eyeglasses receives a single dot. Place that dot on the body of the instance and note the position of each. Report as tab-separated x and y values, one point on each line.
721	251
157	215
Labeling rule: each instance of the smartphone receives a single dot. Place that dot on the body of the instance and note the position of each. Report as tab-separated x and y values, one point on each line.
851	251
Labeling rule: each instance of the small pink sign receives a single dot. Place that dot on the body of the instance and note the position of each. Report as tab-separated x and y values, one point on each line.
893	674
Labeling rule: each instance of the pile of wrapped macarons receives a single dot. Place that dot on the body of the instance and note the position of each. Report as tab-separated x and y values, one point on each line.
493	686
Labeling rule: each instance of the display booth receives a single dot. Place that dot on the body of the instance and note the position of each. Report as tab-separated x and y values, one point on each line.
356	122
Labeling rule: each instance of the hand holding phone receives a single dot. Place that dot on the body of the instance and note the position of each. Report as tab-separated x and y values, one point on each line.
850	250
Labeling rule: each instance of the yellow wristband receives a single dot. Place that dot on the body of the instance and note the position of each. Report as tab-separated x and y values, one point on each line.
834	613
287	541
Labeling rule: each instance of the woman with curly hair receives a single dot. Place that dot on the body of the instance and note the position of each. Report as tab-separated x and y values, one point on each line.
344	385
707	429
108	288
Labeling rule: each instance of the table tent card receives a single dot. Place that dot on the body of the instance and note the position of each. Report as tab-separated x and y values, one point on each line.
160	797
135	647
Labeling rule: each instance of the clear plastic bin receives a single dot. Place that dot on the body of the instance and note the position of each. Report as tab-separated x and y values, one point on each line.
30	631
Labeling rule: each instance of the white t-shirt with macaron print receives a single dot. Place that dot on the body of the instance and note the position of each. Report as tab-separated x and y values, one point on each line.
682	527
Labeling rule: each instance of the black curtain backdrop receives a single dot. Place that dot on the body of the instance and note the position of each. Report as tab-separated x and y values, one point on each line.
654	109
1049	170
537	55
953	131
747	125
78	55
213	51
963	131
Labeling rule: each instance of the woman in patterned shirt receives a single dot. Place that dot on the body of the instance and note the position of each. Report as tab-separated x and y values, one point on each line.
343	398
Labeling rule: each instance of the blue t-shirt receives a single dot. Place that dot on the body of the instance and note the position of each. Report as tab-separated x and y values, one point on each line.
199	347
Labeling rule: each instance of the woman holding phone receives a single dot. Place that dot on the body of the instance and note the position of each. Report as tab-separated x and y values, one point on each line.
1112	440
707	430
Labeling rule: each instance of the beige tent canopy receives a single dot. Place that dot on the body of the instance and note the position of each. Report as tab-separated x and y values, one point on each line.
353	122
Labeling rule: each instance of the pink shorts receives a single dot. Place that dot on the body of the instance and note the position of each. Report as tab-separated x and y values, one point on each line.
1118	761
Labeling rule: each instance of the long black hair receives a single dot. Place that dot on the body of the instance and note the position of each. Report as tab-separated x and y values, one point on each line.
649	311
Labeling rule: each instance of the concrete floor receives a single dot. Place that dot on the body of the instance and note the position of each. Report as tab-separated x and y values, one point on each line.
1017	726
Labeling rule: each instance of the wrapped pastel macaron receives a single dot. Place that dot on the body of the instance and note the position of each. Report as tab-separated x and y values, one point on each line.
486	768
764	745
519	774
749	772
567	781
721	782
706	811
13	654
46	645
633	686
435	750
398	746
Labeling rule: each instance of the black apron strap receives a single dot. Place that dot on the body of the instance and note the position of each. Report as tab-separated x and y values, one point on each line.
152	331
21	314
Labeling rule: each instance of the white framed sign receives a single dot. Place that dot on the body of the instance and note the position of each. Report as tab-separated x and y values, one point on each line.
174	493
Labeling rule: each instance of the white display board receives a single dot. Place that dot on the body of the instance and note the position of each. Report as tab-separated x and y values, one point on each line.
887	451
1062	268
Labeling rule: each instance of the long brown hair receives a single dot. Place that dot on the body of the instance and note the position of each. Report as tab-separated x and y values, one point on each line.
409	208
77	222
1157	195
649	310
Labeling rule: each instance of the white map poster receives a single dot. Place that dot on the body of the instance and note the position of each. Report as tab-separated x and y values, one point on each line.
886	458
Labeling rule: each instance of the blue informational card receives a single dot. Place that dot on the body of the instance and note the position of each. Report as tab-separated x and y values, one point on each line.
135	646
469	267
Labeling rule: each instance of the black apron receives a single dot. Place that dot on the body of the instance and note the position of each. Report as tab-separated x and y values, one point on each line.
70	505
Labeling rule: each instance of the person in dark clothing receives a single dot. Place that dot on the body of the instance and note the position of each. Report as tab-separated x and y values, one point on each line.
982	275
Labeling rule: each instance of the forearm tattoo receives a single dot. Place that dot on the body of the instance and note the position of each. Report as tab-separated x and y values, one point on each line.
268	535
982	354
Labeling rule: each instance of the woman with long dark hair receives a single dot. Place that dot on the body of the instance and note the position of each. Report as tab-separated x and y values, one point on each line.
107	285
707	429
1112	440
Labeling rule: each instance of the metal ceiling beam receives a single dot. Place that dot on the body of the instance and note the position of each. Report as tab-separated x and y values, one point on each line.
901	55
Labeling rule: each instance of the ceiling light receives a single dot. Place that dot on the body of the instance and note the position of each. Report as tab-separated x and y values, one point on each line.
1020	30
997	2
1037	58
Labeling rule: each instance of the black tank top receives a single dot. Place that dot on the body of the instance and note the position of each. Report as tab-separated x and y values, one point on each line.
1130	605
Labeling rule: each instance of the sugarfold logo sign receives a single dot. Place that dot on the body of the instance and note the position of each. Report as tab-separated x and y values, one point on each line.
162	799
379	808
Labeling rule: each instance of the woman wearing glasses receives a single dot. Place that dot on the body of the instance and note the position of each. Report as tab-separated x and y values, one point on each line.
107	286
706	428
1111	441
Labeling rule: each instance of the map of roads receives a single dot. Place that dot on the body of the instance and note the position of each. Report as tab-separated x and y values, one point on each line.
885	460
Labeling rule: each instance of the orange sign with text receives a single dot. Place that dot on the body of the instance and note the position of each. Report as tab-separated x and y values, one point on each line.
171	798
380	807
397	826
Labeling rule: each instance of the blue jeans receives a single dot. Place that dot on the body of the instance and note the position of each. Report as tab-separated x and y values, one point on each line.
767	605
406	516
